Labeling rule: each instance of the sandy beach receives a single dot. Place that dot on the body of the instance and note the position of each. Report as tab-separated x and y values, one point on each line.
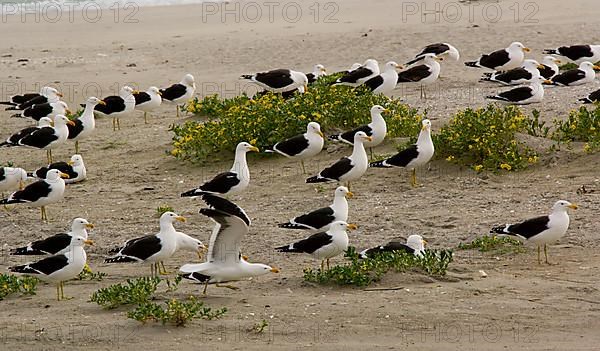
520	305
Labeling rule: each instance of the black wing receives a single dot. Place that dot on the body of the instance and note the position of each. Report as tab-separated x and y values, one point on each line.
516	94
14	139
403	158
2	174
495	59
40	138
225	206
354	76
569	77
338	169
38	111
375	82
513	75
547	72
142	248
292	146
45	266
530	227
21	99
414	74
32	192
221	183
50	245
276	79
141	97
317	219
311	78
308	245
436	49
75	130
63	167
40	99
389	247
349	135
576	52
594	96
173	92
113	104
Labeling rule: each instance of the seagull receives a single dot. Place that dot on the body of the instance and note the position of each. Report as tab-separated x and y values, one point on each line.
516	76
41	193
11	179
279	80
58	268
75	169
439	50
228	183
84	125
582	75
49	109
577	53
224	262
13	140
414	156
523	95
20	99
425	73
503	59
151	248
348	168
550	67
48	138
148	101
179	93
360	74
318	71
117	106
541	230
302	146
323	245
321	219
377	130
56	244
47	94
352	68
591	98
385	82
415	244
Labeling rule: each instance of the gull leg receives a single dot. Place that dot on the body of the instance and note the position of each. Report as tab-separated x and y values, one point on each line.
546	253
322	266
228	287
114	124
76	146
327	264
205	286
145	117
62	292
413	178
44	215
302	164
164	270
118	123
6	207
371	152
177	107
49	155
152	267
58	292
539	260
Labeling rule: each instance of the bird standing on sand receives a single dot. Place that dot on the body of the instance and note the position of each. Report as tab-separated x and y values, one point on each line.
48	138
377	130
179	93
117	106
148	101
85	125
302	146
425	73
56	244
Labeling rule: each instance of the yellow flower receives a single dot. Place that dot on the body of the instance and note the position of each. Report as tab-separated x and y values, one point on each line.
478	168
505	166
533	159
253	141
450	158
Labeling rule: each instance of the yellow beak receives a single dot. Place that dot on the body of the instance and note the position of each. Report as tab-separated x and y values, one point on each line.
245	257
275	270
70	163
71	123
59	95
102	102
540	66
89	242
573	206
351	226
180	219
64	175
89	226
135	92
254	148
424	242
349	195
557	61
596	67
526	49
321	134
440	59
368	138
548	81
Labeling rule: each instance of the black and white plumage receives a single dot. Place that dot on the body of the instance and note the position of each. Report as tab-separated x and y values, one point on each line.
439	50
117	106
503	59
279	80
318	71
523	95
224	261
591	98
385	82
153	248
302	146
415	245
75	169
58	268
12	178
85	125
41	193
49	109
359	75
179	93
577	53
377	129
48	138
321	219
323	245
13	140
58	243
416	155
227	183
549	67
582	75
348	168
541	230
515	76
148	101
426	72
46	95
